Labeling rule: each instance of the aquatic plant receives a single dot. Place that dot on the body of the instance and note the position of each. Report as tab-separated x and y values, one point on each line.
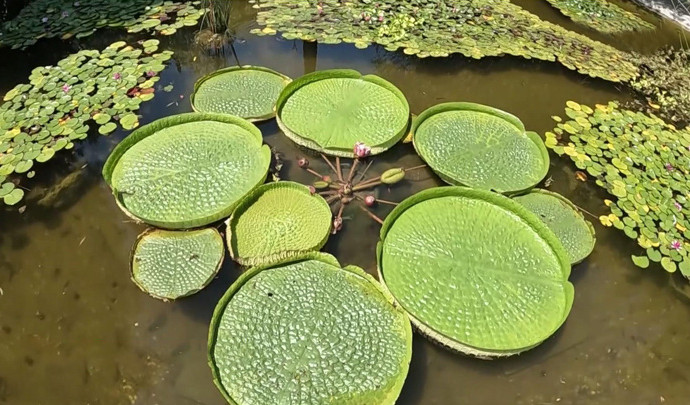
474	28
249	92
275	221
478	146
331	110
54	109
187	170
601	15
341	189
564	219
644	163
664	82
69	18
174	264
445	256
308	331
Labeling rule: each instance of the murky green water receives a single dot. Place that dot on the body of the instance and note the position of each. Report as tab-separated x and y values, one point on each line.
75	330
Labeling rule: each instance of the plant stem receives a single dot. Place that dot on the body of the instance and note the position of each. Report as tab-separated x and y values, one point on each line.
364	186
314	172
386	202
371	215
352	170
338	170
361	176
331	200
414	168
329	163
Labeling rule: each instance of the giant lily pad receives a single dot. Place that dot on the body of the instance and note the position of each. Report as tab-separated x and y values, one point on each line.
480	146
476	271
277	220
331	110
174	264
187	170
249	92
306	331
564	219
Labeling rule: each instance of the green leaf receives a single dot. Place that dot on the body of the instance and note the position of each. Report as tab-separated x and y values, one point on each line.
173	264
275	221
445	257
249	92
107	128
187	170
477	146
13	196
328	312
564	219
331	110
641	261
668	264
129	121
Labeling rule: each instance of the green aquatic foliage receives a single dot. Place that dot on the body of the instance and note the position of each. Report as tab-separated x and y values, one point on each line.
664	82
68	18
331	110
277	220
564	219
56	107
478	146
644	163
174	264
476	271
187	170
308	332
601	15
474	28
249	92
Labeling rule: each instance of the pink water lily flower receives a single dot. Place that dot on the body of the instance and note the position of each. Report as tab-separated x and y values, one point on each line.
669	167
678	206
66	88
150	73
361	150
117	76
676	245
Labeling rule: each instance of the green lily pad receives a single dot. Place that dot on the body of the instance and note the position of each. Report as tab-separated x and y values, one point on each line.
601	15
478	146
13	197
249	92
129	121
445	256
564	219
187	170
331	110
174	264
309	317
107	128
275	221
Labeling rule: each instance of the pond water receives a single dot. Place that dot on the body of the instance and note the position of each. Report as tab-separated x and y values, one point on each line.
75	330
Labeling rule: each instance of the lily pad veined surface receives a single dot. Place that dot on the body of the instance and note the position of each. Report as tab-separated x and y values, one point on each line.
479	146
175	264
306	331
476	271
249	92
331	110
187	170
277	220
564	219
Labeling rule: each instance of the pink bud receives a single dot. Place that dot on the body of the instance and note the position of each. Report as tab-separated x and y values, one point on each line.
303	163
312	190
370	200
327	179
337	225
361	150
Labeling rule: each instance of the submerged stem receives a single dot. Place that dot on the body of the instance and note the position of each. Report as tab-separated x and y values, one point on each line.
372	215
352	170
338	170
361	175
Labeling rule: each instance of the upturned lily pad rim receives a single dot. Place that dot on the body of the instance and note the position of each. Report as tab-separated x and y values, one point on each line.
312	77
575	208
481	108
248	201
504	202
151	231
155	126
319	256
230	69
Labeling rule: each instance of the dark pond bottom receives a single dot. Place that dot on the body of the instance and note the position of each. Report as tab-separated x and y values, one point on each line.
75	330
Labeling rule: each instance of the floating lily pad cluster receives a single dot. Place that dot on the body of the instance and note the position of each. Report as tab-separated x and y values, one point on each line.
601	15
59	103
645	164
474	28
68	18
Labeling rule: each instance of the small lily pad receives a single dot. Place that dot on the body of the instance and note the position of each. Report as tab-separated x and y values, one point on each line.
13	197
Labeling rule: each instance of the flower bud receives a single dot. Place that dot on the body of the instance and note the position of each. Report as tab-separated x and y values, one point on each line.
370	200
